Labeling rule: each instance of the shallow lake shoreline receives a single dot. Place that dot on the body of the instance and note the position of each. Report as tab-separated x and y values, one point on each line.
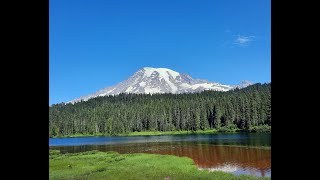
160	133
235	153
101	165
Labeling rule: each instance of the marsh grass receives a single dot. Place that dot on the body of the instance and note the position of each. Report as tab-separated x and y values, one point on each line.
230	129
143	133
159	133
112	165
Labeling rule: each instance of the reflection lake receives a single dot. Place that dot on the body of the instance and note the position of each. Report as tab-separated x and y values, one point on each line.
237	153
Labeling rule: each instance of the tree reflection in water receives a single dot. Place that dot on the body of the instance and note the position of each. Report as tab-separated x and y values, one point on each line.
235	159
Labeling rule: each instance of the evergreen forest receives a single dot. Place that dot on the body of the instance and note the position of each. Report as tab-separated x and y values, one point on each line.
111	115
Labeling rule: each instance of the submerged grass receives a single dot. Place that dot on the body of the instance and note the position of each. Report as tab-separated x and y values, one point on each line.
112	165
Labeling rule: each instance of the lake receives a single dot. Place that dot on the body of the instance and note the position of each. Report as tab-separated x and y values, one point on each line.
237	153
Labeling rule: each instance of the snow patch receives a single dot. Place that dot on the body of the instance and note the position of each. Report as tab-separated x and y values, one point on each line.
210	86
203	85
162	71
102	94
226	86
148	90
135	80
165	74
185	85
142	84
129	89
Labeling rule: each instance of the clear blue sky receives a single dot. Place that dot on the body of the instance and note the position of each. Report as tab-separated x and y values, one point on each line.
98	43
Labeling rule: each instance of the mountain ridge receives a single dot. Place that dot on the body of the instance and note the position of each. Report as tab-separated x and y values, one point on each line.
149	80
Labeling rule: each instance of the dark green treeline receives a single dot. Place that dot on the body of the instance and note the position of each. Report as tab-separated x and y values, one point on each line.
241	108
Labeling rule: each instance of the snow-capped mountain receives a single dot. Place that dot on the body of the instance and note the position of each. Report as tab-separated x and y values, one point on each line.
243	84
161	80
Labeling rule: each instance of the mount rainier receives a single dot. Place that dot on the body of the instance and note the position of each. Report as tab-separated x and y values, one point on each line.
161	80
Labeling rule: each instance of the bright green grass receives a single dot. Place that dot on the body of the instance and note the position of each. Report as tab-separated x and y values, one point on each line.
146	133
112	165
80	135
263	128
158	133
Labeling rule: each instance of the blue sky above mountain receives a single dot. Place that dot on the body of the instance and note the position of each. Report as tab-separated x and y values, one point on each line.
96	44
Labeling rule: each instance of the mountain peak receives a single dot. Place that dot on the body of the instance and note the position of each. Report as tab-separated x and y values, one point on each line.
163	72
243	84
150	80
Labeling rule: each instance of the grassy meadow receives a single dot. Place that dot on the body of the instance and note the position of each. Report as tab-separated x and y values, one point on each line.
112	165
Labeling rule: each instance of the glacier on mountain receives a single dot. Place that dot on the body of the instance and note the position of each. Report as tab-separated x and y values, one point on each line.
149	80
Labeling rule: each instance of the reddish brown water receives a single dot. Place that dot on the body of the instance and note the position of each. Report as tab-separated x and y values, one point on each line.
234	159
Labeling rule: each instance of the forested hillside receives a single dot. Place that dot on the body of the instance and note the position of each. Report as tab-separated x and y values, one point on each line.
241	108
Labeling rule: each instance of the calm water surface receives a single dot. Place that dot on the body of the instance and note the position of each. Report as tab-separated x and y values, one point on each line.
238	153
